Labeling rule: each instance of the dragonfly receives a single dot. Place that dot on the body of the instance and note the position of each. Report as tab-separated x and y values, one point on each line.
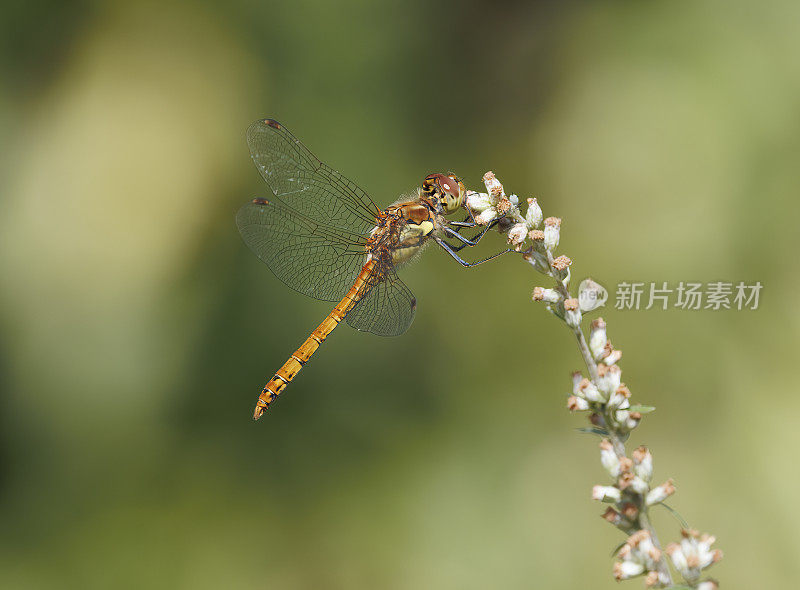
324	237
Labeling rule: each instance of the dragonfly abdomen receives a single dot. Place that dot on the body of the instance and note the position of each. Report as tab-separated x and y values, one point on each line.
300	357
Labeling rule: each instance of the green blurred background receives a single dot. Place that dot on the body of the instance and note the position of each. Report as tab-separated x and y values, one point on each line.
137	329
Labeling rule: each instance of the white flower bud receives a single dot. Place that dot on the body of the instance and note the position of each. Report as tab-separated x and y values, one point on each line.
677	557
613	357
643	463
572	313
533	217
655	579
708	585
591	295
638	485
627	420
609	459
517	233
707	556
577	404
625	570
547	295
514	200
552	232
610	379
493	186
607	494
660	493
486	216
647	549
577	379
639	555
619	399
589	392
597	338
478	202
693	554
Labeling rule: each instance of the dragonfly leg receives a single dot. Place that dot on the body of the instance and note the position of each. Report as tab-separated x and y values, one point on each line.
465	241
468	241
469	221
452	252
462	241
470	215
463	224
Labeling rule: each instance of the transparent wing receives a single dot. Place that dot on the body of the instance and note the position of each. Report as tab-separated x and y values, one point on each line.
315	259
304	183
388	307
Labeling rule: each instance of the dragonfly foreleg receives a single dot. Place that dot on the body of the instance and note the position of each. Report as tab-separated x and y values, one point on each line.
466	241
452	252
457	247
469	221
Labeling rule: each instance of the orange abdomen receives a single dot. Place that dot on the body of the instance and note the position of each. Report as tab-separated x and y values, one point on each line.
300	357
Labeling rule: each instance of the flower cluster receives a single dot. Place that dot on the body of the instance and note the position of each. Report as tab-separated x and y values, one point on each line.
693	554
604	397
494	203
638	556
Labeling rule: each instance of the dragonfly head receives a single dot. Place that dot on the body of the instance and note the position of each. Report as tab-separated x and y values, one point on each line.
444	191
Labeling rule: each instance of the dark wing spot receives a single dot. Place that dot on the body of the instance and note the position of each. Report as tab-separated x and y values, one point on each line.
260	201
414	303
272	123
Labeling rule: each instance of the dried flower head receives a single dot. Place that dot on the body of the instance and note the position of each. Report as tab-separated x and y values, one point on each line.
536	235
562	263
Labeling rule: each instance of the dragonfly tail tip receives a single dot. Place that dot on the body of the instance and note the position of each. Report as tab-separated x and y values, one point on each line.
258	412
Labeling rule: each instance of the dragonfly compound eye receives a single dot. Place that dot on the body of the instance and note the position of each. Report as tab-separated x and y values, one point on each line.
448	190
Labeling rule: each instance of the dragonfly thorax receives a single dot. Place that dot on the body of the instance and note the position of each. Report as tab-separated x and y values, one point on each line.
402	230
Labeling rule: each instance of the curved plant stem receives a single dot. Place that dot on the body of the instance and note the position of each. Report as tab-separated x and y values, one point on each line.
605	398
615	438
